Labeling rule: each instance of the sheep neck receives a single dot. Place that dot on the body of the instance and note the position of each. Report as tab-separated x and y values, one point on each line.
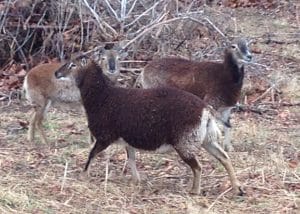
232	65
94	90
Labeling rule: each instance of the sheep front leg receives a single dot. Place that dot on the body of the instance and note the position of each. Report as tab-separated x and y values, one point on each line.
215	150
91	138
226	112
227	140
32	126
98	147
132	164
189	158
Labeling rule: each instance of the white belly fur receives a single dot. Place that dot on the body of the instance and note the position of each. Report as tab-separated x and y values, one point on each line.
162	149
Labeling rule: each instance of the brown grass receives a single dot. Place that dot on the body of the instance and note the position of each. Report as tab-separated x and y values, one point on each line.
38	179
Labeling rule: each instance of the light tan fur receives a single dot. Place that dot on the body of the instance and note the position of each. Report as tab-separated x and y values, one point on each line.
42	89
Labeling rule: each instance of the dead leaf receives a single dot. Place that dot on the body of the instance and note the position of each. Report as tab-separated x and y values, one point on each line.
293	164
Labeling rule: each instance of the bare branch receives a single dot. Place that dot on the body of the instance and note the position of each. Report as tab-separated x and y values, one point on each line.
143	14
101	22
112	10
123	9
132	7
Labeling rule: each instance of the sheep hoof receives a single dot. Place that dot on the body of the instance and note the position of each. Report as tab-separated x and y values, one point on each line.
239	191
228	148
136	180
195	192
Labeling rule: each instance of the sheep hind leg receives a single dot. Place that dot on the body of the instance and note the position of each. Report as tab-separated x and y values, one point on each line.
132	164
40	115
189	158
98	147
215	150
36	123
39	126
32	126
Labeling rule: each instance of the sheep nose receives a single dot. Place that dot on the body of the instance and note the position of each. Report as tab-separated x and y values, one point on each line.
249	57
112	71
57	74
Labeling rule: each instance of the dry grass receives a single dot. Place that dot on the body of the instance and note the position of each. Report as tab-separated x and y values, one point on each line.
38	179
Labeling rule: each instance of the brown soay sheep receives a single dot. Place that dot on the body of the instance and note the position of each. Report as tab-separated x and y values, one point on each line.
42	88
218	84
148	119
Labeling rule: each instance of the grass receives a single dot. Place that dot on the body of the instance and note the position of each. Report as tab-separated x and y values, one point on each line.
37	178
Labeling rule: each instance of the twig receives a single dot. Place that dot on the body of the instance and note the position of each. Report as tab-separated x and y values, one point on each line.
3	17
81	26
151	27
9	99
132	7
297	16
112	10
284	175
189	7
64	178
106	177
247	108
215	27
133	61
132	70
143	14
258	187
289	104
101	22
296	176
221	195
123	10
264	94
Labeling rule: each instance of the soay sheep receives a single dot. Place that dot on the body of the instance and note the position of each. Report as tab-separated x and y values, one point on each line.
147	119
217	83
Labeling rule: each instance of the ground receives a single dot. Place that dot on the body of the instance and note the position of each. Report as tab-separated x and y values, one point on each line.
38	178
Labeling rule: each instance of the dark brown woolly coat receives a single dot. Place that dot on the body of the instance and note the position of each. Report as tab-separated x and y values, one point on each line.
145	119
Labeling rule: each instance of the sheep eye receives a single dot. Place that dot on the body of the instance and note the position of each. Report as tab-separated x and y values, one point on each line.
72	65
84	61
233	46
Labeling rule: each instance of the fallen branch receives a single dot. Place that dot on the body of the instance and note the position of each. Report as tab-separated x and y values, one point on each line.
289	104
247	108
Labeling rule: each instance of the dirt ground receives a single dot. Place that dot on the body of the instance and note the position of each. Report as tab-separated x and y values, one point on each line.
38	178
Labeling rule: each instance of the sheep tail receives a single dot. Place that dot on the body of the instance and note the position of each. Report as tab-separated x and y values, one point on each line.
208	128
219	117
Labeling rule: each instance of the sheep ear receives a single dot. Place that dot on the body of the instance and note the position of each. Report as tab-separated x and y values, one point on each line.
98	53
123	53
101	50
84	61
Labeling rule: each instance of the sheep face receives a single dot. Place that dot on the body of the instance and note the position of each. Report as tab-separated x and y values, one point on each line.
71	69
109	61
241	51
